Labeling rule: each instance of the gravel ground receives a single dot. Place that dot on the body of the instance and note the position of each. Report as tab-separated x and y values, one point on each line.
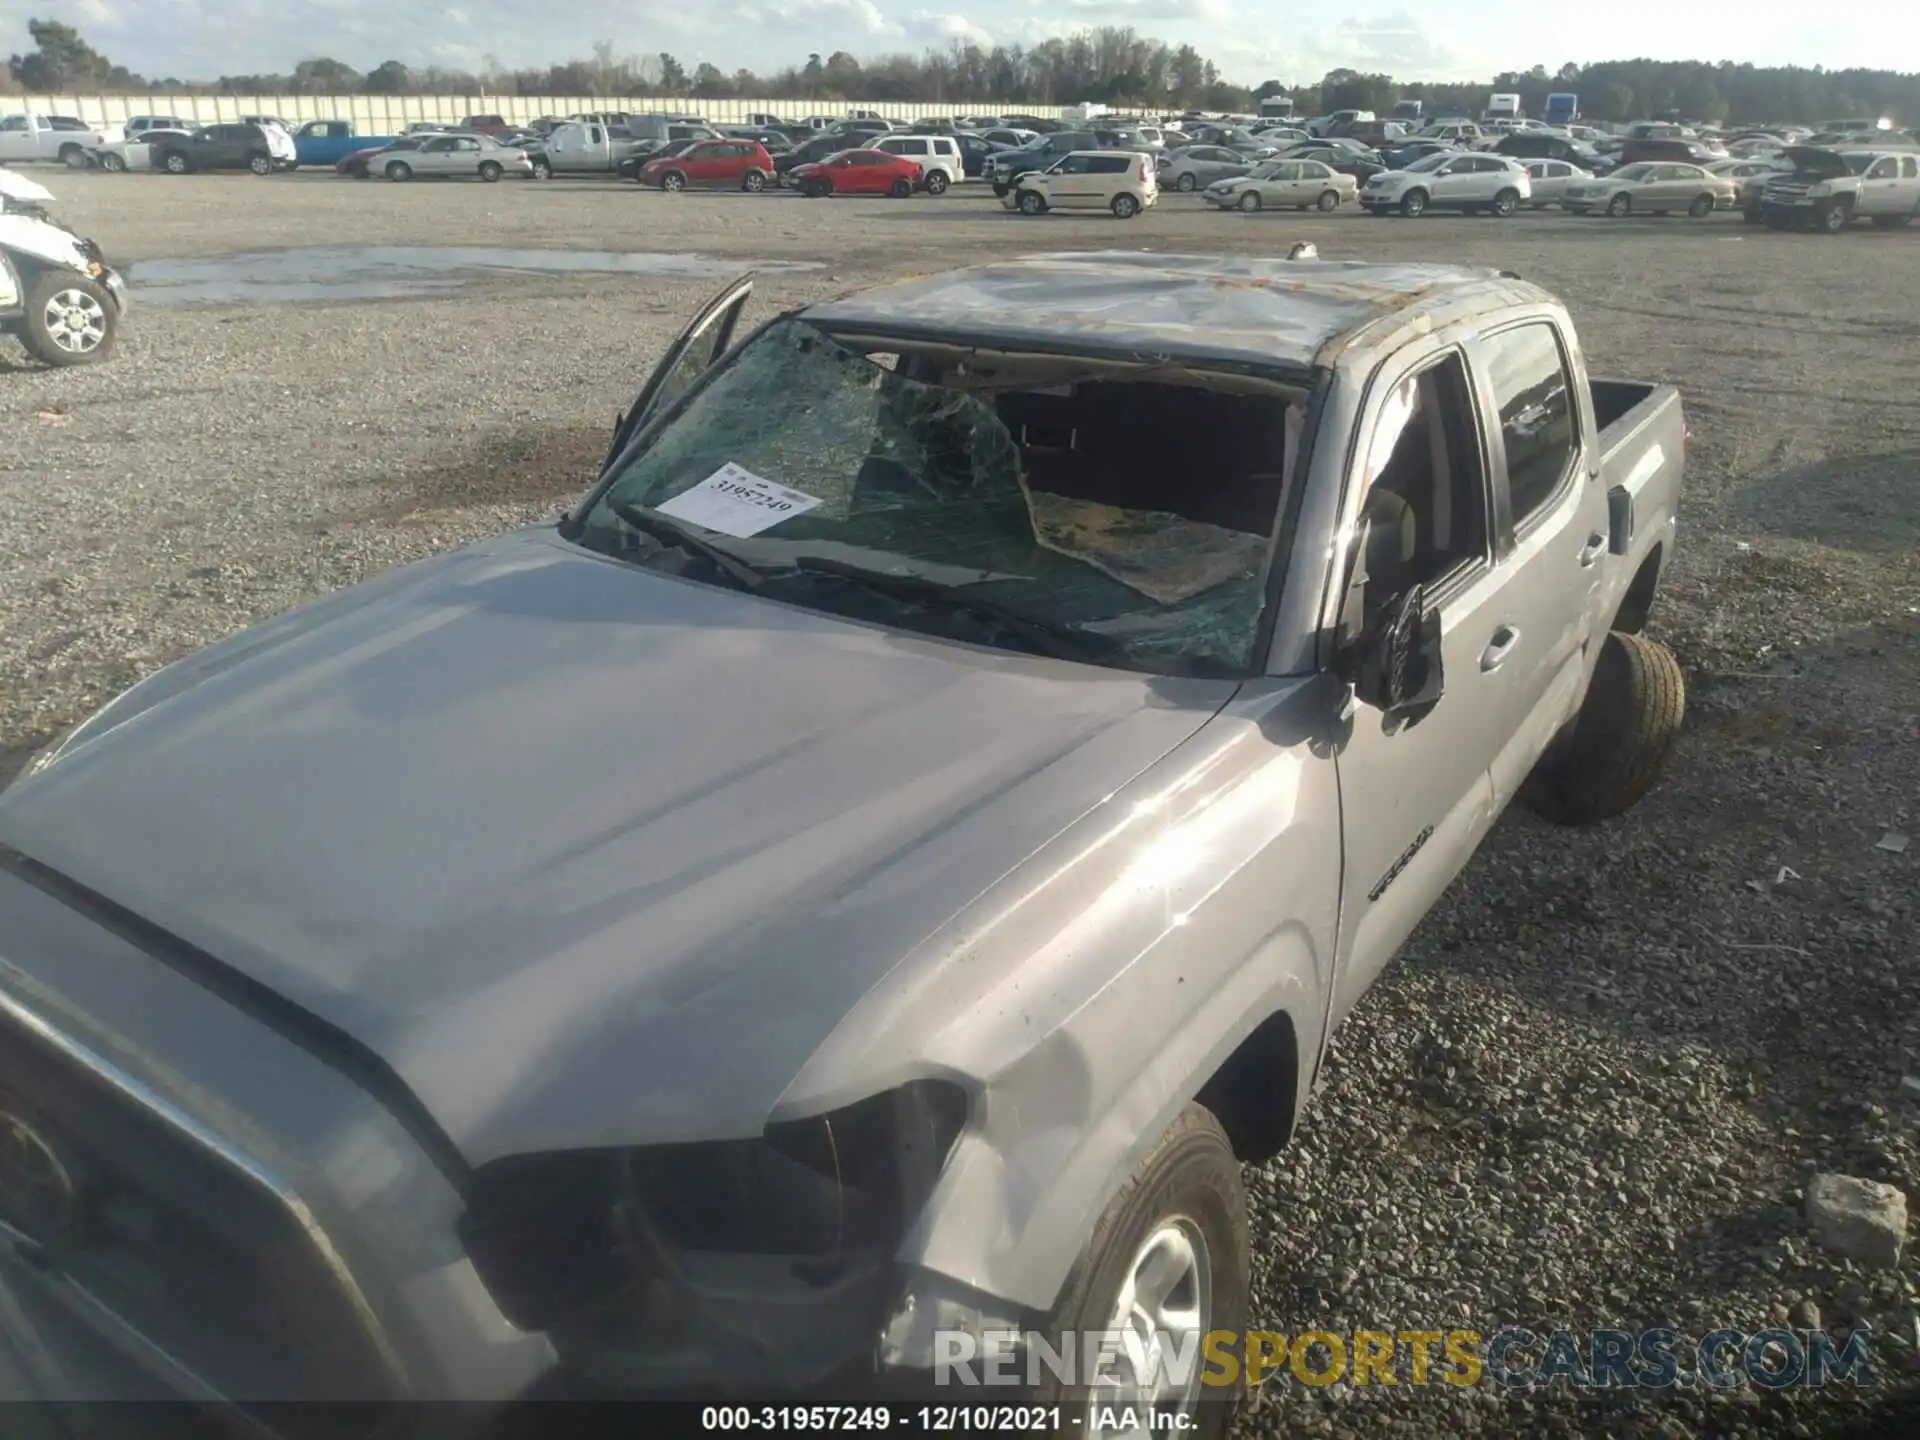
1591	1092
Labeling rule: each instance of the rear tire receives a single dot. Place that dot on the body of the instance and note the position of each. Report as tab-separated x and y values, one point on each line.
1186	184
1124	207
1505	203
1188	1187
937	182
901	189
74	157
1701	207
69	321
753	182
1621	739
260	164
1329	200
489	171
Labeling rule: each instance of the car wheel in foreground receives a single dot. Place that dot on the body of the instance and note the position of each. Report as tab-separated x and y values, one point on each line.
1619	742
73	157
673	182
1701	207
260	164
399	170
937	182
176	164
753	182
1186	184
1329	200
111	162
1032	202
1413	204
1250	201
69	320
1833	219
1505	203
1125	207
1169	1256
1619	205
489	171
901	189
542	170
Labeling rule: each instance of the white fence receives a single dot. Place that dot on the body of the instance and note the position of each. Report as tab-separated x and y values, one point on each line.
385	114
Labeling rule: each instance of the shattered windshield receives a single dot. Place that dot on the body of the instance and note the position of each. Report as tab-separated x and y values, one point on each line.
1133	517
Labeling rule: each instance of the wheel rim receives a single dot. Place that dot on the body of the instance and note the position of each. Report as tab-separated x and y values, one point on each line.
259	166
753	181
75	321
1504	205
112	162
673	182
1249	201
176	164
1619	206
1415	204
1164	1305
1187	182
1329	200
1030	203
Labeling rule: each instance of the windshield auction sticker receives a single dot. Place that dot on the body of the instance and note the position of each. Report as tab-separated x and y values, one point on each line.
737	502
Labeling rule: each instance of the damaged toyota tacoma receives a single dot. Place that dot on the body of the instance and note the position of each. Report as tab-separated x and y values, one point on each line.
875	868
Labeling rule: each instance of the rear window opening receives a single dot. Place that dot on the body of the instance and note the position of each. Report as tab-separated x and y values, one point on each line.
1132	503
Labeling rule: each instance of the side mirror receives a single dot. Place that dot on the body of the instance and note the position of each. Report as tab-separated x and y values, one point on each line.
1394	664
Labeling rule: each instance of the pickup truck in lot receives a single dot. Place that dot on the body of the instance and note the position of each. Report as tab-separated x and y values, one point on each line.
53	139
328	142
1827	190
874	870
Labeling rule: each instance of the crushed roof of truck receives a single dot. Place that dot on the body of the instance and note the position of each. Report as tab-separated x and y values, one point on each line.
1244	309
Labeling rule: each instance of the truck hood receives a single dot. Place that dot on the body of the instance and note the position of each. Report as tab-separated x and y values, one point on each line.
1813	161
588	855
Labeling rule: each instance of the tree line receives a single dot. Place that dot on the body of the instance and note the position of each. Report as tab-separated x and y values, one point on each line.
1105	64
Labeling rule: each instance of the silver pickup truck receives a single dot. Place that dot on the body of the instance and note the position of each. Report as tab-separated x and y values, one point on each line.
869	874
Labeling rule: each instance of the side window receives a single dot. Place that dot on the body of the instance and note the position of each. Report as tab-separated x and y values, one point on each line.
12	124
1425	506
1885	169
1111	165
1909	168
913	147
1538	431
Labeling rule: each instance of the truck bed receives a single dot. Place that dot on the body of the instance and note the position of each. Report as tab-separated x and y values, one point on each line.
1643	445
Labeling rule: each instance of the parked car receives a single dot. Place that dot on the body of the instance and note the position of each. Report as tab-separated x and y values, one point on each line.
484	124
728	164
586	147
58	295
1012	139
776	142
857	172
1651	189
1405	154
269	122
938	157
1475	182
808	152
1541	146
358	164
1828	190
1198	166
136	151
658	130
1038	155
980	906
53	139
1455	132
1122	182
140	124
1346	161
457	156
328	142
1550	180
976	154
1749	178
240	146
1284	184
1681	152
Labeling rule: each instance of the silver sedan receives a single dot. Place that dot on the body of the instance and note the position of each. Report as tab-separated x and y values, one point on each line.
1198	166
457	155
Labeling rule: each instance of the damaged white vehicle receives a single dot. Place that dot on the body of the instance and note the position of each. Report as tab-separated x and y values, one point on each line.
874	869
57	293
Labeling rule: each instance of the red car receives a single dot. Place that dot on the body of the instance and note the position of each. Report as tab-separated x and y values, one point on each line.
858	172
737	164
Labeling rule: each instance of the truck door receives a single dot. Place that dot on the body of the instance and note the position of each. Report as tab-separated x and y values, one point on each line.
1550	532
1415	798
1880	189
16	138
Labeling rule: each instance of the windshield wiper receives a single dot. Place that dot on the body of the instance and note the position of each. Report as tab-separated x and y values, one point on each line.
672	533
1054	641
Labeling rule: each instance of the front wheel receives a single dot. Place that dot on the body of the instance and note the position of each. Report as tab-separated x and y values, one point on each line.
399	170
542	170
1328	200
70	320
176	164
1701	207
1186	184
260	164
1506	202
1833	219
1619	205
489	171
1125	207
937	182
1250	201
1620	740
1413	204
673	182
1171	1255
1032	202
753	182
111	162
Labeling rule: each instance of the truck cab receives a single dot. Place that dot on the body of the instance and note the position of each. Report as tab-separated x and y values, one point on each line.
1827	190
53	139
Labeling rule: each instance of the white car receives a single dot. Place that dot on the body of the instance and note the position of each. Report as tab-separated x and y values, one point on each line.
938	157
1121	181
1473	182
140	124
1283	184
1550	179
474	155
136	151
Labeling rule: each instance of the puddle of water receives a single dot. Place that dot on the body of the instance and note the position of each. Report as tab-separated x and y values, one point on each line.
389	272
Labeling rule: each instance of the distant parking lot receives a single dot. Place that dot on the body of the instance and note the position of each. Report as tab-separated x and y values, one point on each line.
1608	1061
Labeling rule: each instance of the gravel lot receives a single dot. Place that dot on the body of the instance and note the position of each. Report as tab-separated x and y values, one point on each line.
1592	1090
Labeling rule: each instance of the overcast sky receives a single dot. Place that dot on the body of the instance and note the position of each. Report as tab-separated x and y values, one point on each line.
1450	39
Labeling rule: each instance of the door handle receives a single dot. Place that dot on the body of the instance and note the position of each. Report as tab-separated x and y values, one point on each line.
1595	547
1499	648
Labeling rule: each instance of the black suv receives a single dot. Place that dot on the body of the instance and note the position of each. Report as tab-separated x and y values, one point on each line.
1009	165
1548	147
216	147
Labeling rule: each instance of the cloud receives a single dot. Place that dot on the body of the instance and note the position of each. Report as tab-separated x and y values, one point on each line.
949	27
1113	11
